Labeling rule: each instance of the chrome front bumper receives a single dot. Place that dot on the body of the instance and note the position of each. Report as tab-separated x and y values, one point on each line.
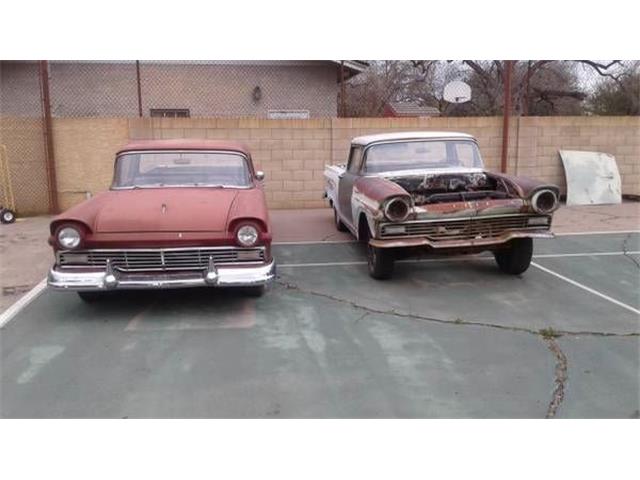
442	244
111	279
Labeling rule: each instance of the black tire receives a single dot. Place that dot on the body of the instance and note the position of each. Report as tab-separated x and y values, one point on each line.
339	225
255	292
380	262
7	216
91	297
516	258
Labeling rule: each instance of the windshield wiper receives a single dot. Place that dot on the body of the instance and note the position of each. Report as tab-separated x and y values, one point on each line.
209	185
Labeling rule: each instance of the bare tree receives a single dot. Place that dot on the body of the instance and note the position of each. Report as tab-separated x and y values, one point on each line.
621	97
539	87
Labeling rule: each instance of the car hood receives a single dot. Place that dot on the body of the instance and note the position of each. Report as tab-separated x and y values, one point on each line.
163	210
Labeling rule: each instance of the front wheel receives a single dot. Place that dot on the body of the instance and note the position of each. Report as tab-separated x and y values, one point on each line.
380	262
339	225
516	258
7	216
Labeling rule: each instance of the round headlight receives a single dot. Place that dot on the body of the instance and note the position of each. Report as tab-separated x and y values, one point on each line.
544	201
69	237
247	235
397	209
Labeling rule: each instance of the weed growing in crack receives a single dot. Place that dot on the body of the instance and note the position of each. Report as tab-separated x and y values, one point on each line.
548	333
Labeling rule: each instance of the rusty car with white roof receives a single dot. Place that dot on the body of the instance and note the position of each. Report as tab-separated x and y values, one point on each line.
404	194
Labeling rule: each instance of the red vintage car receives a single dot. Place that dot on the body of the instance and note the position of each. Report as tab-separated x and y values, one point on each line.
180	213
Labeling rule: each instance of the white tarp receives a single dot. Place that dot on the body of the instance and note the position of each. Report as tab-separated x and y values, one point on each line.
592	178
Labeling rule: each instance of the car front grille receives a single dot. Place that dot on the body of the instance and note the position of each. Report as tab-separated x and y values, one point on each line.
141	260
462	229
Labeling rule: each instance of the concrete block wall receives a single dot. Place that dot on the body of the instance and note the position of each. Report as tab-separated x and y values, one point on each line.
535	142
85	149
293	153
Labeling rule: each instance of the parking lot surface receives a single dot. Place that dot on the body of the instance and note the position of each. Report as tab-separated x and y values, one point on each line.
446	337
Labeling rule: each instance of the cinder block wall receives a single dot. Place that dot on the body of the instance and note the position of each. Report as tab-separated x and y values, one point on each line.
293	152
85	149
535	142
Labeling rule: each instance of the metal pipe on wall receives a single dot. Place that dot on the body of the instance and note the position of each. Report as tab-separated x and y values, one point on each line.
508	70
343	91
45	97
139	88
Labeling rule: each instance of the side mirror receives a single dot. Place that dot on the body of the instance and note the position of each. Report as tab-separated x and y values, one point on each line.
260	175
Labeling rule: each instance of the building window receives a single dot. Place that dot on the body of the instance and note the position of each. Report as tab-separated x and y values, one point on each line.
170	112
282	114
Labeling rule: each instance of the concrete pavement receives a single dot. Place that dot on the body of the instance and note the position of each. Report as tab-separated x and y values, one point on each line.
447	338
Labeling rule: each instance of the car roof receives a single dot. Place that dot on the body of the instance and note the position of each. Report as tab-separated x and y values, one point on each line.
388	137
185	144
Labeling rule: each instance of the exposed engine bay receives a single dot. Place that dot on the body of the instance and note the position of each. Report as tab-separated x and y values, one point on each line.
452	187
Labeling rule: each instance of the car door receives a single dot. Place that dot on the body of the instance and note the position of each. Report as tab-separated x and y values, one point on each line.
345	185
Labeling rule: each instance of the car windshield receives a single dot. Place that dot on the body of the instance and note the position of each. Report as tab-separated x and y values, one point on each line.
411	155
167	169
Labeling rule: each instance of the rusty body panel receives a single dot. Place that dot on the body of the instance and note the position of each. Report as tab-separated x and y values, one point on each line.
379	189
477	208
524	186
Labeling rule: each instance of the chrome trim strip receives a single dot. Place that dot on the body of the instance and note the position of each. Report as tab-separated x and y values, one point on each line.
363	165
173	249
178	150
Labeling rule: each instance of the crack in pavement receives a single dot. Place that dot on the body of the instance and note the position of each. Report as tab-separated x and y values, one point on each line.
548	336
625	250
457	321
560	377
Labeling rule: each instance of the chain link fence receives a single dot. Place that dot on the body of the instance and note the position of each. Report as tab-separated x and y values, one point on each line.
313	89
22	135
267	89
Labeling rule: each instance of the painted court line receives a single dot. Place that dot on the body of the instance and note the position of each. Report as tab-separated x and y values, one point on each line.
27	298
585	288
315	242
14	309
593	254
606	232
452	259
561	234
